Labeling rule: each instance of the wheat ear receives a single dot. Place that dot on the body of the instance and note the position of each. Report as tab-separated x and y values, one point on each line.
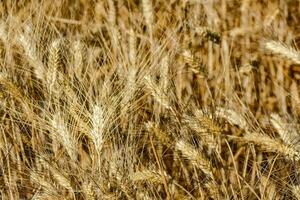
272	145
196	158
62	134
287	133
157	93
98	128
283	50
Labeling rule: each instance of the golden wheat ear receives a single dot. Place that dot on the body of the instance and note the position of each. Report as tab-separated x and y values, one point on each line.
283	50
195	157
157	93
61	133
53	69
150	176
287	131
232	117
163	137
98	128
269	144
27	42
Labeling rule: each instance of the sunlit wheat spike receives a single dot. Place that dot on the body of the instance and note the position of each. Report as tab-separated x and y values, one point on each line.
232	117
287	132
148	13
45	184
204	126
150	176
29	46
269	144
157	93
296	191
54	54
61	179
87	189
207	122
132	48
160	134
79	56
195	157
111	12
98	127
54	60
62	133
164	73
3	31
283	50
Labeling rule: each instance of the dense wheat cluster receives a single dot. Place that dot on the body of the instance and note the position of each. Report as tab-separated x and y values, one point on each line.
150	99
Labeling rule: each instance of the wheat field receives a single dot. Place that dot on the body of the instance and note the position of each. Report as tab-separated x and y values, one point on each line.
150	99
